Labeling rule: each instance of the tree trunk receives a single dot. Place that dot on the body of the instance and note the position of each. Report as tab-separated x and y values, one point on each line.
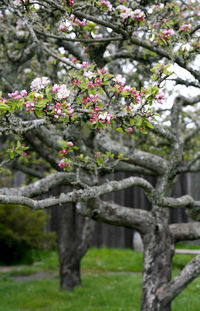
157	262
70	275
73	240
66	238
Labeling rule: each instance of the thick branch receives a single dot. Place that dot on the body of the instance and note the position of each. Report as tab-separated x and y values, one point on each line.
41	186
117	215
163	132
185	231
77	195
144	159
131	168
169	291
184	201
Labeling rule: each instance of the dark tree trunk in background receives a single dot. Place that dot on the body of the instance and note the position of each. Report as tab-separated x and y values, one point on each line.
73	239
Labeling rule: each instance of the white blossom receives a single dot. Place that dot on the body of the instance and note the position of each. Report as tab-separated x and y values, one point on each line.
63	92
39	83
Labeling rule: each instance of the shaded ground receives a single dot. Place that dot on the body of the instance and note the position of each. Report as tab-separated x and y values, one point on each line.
35	276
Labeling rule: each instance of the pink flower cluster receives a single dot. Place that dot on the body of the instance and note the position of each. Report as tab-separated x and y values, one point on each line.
128	12
84	64
129	130
62	91
17	95
139	15
97	83
120	80
3	100
91	98
65	151
103	117
71	2
59	110
107	5
63	163
185	27
74	21
29	106
166	34
76	82
64	28
159	97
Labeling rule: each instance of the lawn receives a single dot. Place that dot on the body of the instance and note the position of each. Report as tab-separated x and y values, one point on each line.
111	281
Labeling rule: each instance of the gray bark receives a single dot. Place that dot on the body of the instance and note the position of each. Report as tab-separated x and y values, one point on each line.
157	262
169	291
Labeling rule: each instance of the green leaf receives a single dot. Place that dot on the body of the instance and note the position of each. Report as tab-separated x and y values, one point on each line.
4	107
39	113
119	129
149	125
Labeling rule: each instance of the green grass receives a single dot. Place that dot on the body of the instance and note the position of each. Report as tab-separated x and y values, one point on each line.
111	281
120	260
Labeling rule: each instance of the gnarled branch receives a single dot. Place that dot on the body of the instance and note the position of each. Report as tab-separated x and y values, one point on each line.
170	290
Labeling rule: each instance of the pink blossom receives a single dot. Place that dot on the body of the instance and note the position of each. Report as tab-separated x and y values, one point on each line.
90	84
71	2
63	163
3	100
138	14
55	88
17	97
159	97
103	71
128	12
107	4
185	27
25	154
105	117
127	88
63	152
70	143
84	64
124	11
119	79
23	93
13	94
167	33
129	130
98	81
